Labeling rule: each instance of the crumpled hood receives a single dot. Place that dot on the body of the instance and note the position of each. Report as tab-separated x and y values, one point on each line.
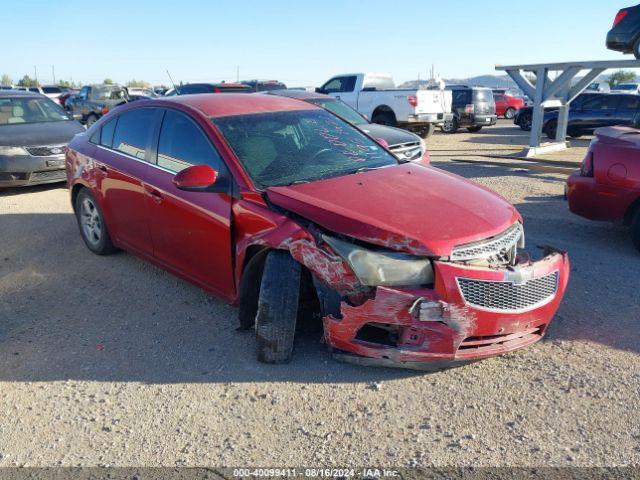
411	208
46	133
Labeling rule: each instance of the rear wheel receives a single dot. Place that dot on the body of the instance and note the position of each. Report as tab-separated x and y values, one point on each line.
475	129
92	226
278	308
636	49
635	230
384	118
510	113
450	126
427	131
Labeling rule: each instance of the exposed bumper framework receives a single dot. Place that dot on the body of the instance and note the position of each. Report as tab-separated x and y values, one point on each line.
441	327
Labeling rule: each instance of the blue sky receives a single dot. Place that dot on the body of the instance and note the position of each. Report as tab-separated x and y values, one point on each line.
299	42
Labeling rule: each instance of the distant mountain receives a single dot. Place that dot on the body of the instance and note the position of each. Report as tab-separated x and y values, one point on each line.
491	81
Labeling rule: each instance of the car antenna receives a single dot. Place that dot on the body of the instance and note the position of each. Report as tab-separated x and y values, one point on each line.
173	84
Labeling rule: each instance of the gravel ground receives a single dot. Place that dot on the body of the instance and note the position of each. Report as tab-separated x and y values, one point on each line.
111	361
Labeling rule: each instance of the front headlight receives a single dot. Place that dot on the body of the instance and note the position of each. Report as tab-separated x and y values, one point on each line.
383	268
12	151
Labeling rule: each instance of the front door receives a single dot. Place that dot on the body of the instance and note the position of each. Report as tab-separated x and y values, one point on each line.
191	231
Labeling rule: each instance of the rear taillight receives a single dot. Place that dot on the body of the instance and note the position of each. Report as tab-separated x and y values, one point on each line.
413	100
619	16
469	108
587	165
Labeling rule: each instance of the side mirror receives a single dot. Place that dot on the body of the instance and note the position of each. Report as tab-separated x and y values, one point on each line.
198	178
320	90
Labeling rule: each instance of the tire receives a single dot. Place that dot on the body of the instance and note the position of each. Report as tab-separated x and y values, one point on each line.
636	49
635	230
475	129
384	118
525	122
427	131
91	119
278	308
550	129
510	113
450	127
93	228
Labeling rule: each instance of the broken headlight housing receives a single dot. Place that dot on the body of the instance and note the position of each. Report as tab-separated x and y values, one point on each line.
383	268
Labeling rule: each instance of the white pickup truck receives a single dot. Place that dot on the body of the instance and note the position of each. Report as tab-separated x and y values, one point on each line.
375	96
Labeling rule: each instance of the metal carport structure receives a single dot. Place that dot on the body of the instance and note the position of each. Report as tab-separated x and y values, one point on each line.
560	89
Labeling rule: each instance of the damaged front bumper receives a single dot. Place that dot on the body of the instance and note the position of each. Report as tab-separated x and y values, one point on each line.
470	314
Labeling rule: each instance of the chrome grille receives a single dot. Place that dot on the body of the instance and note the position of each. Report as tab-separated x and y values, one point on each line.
500	245
45	151
407	151
509	296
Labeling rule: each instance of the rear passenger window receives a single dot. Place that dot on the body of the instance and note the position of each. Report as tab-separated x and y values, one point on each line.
106	133
131	133
183	144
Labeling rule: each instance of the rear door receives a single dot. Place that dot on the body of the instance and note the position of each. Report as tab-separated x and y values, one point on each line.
191	231
501	104
122	163
627	108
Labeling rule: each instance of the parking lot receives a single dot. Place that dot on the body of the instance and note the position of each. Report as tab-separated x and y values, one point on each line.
111	361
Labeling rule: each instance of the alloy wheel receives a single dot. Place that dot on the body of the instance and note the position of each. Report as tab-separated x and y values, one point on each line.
91	222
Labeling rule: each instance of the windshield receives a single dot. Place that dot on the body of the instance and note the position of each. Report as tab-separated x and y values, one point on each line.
281	148
342	110
483	95
29	110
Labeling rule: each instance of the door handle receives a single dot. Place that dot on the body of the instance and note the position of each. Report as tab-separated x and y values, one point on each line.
153	193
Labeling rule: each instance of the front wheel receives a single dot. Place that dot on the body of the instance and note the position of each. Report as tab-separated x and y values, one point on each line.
278	308
92	226
525	122
510	113
551	130
636	49
450	126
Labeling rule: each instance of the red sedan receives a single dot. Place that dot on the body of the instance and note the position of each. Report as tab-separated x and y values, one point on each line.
607	187
286	210
507	105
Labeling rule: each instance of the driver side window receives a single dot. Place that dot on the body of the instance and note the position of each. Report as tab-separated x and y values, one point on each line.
340	85
182	144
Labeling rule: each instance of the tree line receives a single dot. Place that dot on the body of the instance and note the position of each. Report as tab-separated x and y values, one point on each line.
27	81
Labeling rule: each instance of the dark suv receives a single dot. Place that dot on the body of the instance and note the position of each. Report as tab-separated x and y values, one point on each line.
195	88
624	35
472	108
595	111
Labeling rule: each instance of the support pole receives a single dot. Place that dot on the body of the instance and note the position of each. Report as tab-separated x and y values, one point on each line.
538	109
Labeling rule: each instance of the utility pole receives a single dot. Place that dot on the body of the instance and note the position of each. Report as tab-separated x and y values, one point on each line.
53	74
35	74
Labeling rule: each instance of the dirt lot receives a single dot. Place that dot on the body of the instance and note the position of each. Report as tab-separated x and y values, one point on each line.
110	361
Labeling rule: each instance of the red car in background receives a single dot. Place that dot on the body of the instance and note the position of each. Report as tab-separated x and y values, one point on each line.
607	187
292	213
507	105
62	99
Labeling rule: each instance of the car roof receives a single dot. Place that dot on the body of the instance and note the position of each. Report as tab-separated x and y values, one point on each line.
220	105
300	94
18	93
